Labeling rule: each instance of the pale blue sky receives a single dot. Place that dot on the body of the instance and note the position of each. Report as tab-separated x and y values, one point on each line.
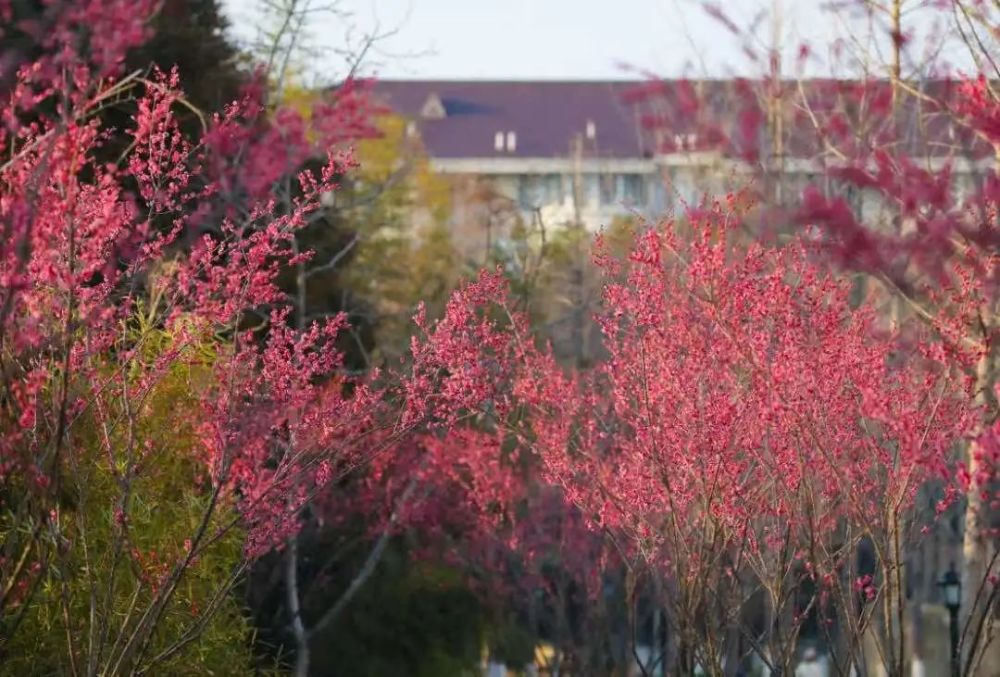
562	38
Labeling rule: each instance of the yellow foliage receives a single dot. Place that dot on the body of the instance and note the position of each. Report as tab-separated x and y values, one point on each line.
90	599
395	157
405	254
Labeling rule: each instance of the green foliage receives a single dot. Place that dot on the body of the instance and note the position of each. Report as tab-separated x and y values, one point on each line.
411	618
190	35
106	578
553	275
399	209
511	643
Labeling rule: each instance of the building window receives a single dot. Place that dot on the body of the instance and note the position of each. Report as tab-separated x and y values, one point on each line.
591	193
608	189
630	190
536	190
623	189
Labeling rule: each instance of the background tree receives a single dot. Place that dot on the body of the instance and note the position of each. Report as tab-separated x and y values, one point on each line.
897	168
732	506
399	209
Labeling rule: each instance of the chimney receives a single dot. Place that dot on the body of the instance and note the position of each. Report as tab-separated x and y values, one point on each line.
511	142
498	142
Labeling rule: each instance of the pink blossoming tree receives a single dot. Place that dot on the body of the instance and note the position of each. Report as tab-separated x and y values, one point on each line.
890	163
118	279
747	435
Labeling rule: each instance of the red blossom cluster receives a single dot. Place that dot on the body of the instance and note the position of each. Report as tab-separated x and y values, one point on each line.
889	167
115	276
740	390
940	256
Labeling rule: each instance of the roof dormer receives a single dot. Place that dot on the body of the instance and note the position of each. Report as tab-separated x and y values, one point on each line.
433	108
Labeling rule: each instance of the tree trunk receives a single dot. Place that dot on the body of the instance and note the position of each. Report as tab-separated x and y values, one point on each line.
294	608
977	546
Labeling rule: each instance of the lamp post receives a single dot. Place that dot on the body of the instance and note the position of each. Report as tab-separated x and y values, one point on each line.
951	585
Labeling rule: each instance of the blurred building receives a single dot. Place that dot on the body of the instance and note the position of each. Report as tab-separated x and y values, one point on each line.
564	152
586	152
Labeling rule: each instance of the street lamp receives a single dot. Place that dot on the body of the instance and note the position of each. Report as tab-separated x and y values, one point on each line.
951	584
